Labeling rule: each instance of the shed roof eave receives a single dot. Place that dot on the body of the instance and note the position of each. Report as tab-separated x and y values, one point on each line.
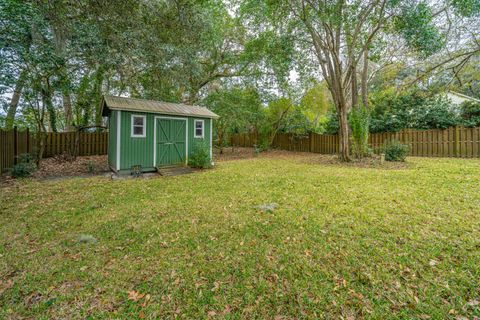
155	107
163	112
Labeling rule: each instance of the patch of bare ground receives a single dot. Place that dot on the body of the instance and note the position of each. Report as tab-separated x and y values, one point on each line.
373	161
235	153
82	166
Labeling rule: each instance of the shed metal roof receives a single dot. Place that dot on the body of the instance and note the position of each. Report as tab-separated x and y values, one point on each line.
142	105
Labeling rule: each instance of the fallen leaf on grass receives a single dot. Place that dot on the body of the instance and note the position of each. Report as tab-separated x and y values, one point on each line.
134	295
147	299
7	285
227	309
472	303
216	286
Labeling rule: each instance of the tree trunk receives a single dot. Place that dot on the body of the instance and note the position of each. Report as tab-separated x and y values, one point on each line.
365	79
99	77
40	134
67	106
47	102
40	140
354	87
343	134
12	108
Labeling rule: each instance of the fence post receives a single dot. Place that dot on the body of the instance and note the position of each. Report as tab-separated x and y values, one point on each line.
15	144
456	142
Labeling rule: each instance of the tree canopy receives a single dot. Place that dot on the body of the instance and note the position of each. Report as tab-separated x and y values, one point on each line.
264	65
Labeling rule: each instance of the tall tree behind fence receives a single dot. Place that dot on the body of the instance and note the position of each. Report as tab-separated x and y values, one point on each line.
14	143
452	142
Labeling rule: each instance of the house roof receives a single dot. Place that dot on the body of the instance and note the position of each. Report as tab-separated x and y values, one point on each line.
151	106
463	96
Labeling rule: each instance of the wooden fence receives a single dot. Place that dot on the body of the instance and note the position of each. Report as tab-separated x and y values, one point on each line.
14	143
89	143
452	142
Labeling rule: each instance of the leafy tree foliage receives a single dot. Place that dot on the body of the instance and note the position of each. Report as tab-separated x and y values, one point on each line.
240	110
339	35
359	120
68	54
470	112
415	25
412	110
315	105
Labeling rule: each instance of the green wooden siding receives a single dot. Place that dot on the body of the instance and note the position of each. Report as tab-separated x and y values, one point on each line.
136	151
139	151
112	142
191	133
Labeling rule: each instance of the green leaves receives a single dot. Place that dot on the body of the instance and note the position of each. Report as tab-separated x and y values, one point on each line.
359	119
416	26
467	8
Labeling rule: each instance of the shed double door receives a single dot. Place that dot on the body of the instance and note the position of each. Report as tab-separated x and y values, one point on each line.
171	141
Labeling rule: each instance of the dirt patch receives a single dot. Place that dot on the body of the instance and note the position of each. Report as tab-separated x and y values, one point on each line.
233	154
59	167
368	162
238	153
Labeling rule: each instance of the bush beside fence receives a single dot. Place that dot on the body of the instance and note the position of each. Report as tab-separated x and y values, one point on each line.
458	142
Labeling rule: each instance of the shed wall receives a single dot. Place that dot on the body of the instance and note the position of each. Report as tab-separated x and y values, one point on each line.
136	151
139	151
191	133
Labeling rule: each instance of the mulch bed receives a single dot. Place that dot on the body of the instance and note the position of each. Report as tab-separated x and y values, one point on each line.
230	153
82	166
238	153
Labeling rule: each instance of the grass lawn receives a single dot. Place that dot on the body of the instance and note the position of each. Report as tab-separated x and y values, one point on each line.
343	242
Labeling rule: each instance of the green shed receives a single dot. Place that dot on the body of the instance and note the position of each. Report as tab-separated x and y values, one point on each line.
153	134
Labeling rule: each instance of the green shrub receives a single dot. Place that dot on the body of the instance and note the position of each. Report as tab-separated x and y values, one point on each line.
359	119
470	112
200	157
415	109
25	166
90	167
395	151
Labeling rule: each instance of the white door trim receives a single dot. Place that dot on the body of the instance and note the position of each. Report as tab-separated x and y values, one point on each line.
155	137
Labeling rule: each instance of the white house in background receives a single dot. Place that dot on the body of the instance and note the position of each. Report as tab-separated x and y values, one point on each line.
458	98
